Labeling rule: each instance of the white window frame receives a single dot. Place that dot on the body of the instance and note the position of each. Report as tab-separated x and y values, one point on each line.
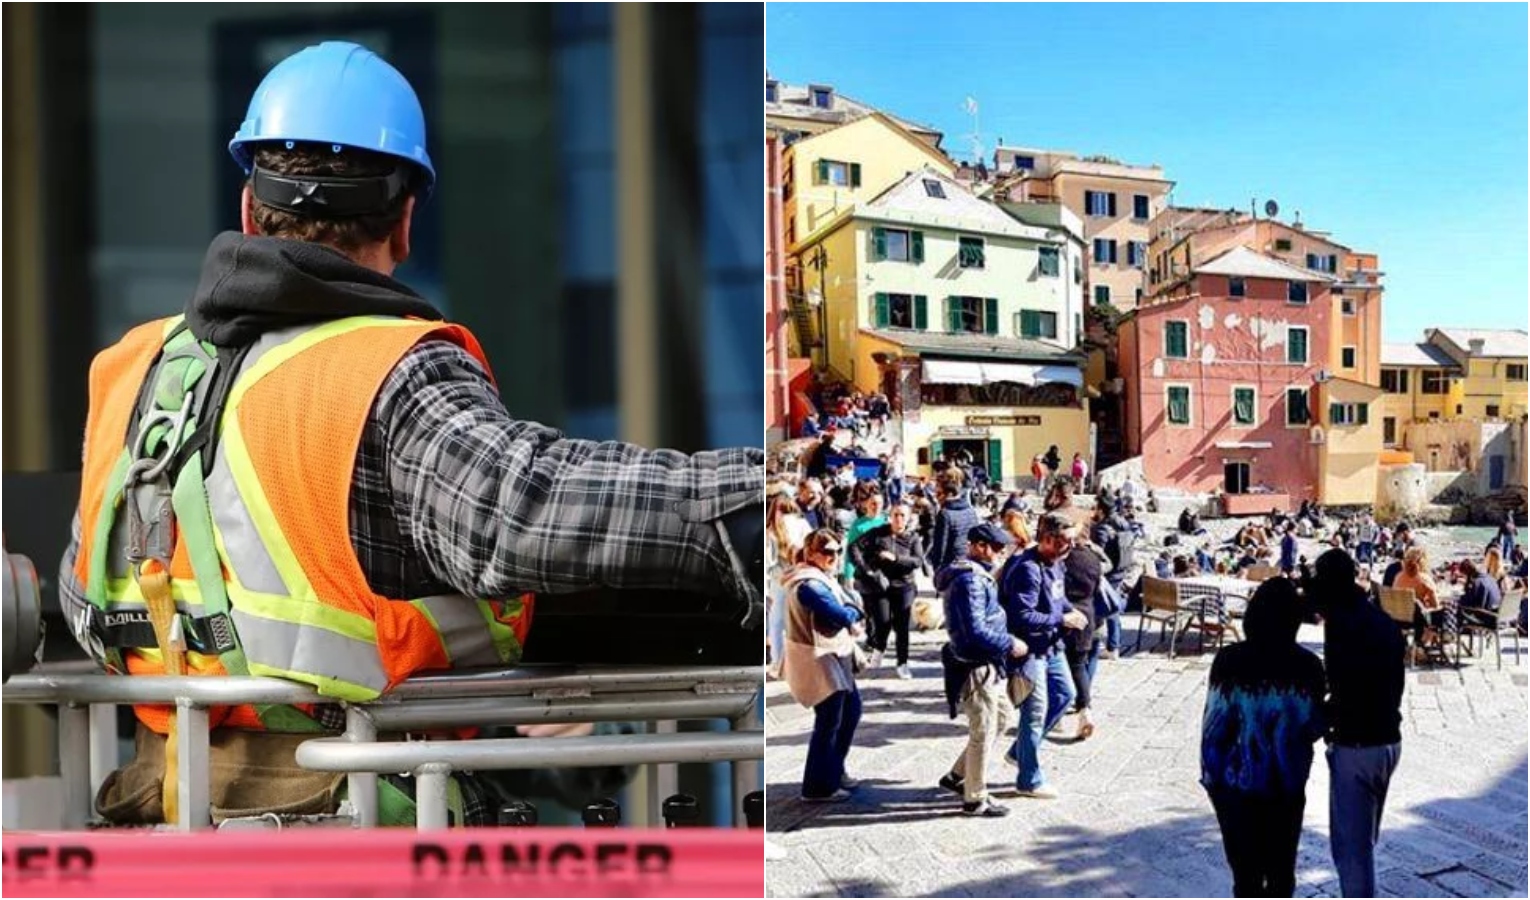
1306	346
830	166
1354	356
1232	410
908	245
1285	400
1189	404
1166	324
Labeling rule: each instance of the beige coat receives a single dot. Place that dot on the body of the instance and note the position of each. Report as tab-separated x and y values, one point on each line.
814	666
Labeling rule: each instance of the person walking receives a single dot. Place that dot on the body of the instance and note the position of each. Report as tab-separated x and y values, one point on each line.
1263	715
955	519
1053	461
1114	534
1080	471
821	627
785	534
1365	539
886	559
1032	591
1082	573
1363	650
976	659
1288	558
405	519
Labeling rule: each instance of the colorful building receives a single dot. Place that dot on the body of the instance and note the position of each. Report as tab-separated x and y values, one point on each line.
1115	200
963	314
777	338
796	111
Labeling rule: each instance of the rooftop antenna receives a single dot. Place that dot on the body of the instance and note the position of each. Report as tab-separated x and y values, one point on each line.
970	107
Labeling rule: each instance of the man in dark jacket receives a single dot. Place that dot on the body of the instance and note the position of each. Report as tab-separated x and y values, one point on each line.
885	560
978	656
1031	588
1363	649
955	519
1115	535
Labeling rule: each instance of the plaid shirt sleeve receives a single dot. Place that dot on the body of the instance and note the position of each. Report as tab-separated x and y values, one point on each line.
497	506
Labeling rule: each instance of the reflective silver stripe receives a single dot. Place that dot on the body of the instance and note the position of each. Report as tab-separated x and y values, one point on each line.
307	650
194	610
247	553
465	634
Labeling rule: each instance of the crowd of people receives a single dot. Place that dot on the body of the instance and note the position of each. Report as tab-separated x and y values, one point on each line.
1032	588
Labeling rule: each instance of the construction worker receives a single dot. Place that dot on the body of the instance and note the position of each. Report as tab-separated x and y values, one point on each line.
310	475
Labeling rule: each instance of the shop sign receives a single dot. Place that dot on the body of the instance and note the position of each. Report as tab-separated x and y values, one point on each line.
991	421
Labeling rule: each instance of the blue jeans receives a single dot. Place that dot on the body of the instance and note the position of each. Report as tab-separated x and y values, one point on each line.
1365	552
1357	792
834	722
1113	633
1049	700
776	624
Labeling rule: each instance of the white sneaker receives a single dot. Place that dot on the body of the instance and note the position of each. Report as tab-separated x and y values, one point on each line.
876	660
838	796
904	673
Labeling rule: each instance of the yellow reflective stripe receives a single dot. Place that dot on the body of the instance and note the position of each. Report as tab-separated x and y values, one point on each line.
329	687
248	483
307	613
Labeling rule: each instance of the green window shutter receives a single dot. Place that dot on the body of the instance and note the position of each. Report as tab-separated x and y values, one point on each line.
1243	406
995	460
921	312
1030	324
937	447
991	315
821	172
1335	412
1177	339
953	315
878	243
883	316
1179	405
1296	347
855	175
1363	411
916	243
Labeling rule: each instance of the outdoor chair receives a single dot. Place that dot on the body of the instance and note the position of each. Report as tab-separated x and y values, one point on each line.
1481	627
1399	604
1205	610
1260	573
1160	603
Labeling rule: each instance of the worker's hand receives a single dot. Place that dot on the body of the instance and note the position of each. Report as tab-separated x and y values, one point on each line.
556	729
1075	619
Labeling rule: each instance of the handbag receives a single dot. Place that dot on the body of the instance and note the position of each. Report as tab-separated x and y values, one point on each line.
1107	600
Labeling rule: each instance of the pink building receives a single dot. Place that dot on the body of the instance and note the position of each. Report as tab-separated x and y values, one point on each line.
1221	372
777	367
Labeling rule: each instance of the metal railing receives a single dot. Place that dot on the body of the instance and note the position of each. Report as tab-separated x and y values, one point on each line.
88	749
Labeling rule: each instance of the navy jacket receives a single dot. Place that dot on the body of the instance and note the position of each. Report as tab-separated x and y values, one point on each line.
975	622
1035	600
949	542
829	615
1288	553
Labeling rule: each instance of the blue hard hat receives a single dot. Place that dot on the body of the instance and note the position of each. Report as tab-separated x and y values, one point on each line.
336	93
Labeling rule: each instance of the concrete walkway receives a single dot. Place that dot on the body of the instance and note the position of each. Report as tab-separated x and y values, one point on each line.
1132	819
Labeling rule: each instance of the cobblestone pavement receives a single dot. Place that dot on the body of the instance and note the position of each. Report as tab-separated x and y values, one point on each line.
1132	819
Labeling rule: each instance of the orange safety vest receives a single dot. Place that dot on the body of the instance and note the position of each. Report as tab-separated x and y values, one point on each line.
277	494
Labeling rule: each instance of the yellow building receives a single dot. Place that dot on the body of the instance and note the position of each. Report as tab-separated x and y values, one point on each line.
1418	381
1455	374
826	174
1115	200
796	111
962	314
1351	436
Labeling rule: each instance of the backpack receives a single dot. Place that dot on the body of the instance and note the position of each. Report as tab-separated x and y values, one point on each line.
1108	601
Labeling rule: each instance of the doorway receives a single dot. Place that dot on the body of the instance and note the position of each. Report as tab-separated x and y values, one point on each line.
1235	477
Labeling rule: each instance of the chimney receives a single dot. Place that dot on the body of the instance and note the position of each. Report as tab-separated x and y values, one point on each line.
1476	345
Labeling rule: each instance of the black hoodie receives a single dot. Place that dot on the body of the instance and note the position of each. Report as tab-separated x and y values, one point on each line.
252	285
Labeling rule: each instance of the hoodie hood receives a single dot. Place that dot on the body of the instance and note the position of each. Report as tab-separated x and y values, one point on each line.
251	285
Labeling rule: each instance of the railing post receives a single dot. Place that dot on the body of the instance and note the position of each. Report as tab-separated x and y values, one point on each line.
361	787
430	782
746	772
193	766
74	763
104	756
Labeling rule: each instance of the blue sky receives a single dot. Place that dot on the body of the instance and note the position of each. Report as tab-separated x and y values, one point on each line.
1400	128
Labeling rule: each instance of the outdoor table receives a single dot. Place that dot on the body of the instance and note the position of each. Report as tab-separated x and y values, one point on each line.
1235	591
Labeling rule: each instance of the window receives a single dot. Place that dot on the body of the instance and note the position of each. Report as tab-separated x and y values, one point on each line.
969	252
1104	250
1296	292
836	173
1296	406
1296	345
1101	294
1176	340
901	311
1492	411
1514	371
1347	306
1319	263
1140	207
1025	163
1049	261
1099	203
1394	381
1136	253
1347	358
897	245
977	315
770	91
1389	430
1433	381
822	97
1037	324
1078	270
933	188
1243	406
1282	245
1348	414
1236	287
1139	296
1178	411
